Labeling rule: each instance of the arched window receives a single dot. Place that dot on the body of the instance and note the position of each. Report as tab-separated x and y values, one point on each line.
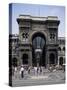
52	36
59	48
63	48
25	35
61	60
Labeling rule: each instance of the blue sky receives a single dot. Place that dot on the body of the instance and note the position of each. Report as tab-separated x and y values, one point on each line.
38	10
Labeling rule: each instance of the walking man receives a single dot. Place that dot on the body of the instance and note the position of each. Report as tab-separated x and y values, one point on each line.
22	71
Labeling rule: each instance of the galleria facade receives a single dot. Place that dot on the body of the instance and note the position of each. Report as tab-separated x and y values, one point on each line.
38	43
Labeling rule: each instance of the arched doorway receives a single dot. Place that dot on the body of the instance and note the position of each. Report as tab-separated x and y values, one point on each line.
38	49
14	62
61	60
52	58
25	58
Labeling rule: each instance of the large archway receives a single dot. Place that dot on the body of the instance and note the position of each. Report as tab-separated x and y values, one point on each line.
38	49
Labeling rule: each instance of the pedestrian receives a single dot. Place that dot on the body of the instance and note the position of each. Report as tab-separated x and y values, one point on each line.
40	70
29	68
22	71
37	70
15	72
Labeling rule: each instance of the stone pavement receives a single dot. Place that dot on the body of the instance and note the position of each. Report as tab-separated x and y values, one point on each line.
45	78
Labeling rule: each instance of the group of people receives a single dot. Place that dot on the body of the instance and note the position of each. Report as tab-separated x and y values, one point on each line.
15	71
28	70
37	70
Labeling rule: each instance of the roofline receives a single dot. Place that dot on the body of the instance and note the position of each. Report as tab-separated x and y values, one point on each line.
38	18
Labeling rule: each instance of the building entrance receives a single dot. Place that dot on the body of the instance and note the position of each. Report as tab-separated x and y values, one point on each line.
52	59
38	49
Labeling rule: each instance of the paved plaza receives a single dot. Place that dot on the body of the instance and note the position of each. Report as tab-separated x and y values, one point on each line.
44	78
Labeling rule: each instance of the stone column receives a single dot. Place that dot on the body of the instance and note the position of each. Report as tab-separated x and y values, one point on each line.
58	60
20	58
57	57
30	58
47	59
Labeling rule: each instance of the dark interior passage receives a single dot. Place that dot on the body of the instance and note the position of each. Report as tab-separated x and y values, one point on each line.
38	49
52	58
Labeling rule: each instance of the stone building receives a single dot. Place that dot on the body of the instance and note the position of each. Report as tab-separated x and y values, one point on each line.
61	51
38	41
14	49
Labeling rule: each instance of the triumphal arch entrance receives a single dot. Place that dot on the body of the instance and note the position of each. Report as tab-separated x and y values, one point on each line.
38	40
